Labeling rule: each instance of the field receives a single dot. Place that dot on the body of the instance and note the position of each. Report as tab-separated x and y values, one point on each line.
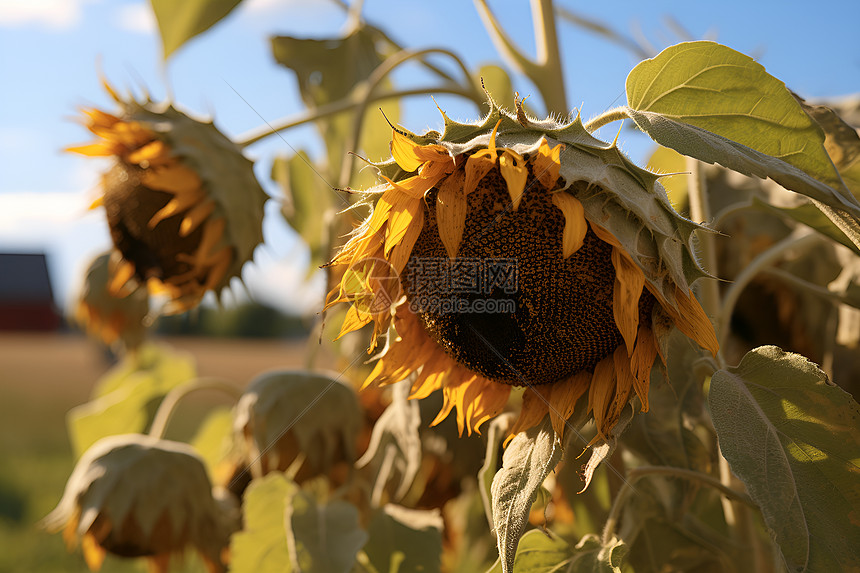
42	376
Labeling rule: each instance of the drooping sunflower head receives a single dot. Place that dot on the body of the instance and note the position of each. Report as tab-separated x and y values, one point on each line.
528	254
111	317
137	496
183	205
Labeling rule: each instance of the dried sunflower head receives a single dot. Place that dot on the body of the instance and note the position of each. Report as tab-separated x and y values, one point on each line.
183	205
137	496
529	254
107	316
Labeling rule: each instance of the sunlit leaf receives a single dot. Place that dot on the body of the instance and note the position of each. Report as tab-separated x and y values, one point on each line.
261	546
666	160
322	537
181	21
793	437
707	101
539	552
213	438
405	540
127	396
528	459
396	431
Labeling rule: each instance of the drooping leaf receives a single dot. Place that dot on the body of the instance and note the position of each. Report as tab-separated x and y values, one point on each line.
322	537
793	437
181	21
841	141
603	449
592	556
499	428
405	540
261	546
528	459
707	101
127	396
396	430
309	203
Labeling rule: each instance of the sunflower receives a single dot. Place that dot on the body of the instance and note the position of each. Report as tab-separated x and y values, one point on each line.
183	205
107	316
137	496
528	254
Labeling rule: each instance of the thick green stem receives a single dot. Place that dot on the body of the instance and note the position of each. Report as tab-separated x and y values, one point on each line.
636	474
171	400
607	117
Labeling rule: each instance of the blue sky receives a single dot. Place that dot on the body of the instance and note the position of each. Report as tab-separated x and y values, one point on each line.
49	51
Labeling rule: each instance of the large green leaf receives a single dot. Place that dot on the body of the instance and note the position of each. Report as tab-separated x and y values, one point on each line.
528	459
127	395
322	537
181	21
811	216
710	102
405	540
213	438
793	437
261	546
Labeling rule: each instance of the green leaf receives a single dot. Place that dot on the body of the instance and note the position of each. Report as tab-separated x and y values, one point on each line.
528	459
128	395
261	546
793	437
405	540
322	537
541	552
395	444
710	102
214	437
499	427
181	21
309	203
591	556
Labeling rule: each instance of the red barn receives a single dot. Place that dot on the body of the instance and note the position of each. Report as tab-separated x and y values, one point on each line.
26	297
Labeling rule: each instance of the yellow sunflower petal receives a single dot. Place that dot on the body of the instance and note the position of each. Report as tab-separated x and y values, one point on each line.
600	393
432	374
689	318
121	275
99	118
451	392
483	399
624	383
176	178
401	252
451	208
535	407
641	363
99	149
99	202
150	151
403	214
477	166
410	156
220	262
575	226
195	217
94	554
629	282
514	171
176	205
354	320
563	399
547	164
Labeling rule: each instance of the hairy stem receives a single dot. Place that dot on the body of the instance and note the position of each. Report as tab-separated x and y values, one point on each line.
636	474
171	400
607	117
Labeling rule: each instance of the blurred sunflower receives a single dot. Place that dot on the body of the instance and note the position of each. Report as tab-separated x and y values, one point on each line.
183	205
137	496
529	254
107	316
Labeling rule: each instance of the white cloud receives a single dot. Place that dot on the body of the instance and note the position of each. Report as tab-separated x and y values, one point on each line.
136	18
52	14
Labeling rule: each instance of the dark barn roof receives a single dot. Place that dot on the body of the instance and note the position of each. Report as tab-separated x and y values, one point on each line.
26	297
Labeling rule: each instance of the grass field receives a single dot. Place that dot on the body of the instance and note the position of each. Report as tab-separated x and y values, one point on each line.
42	376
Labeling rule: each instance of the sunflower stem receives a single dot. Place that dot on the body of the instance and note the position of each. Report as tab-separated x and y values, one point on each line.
636	474
763	260
351	101
171	400
607	117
